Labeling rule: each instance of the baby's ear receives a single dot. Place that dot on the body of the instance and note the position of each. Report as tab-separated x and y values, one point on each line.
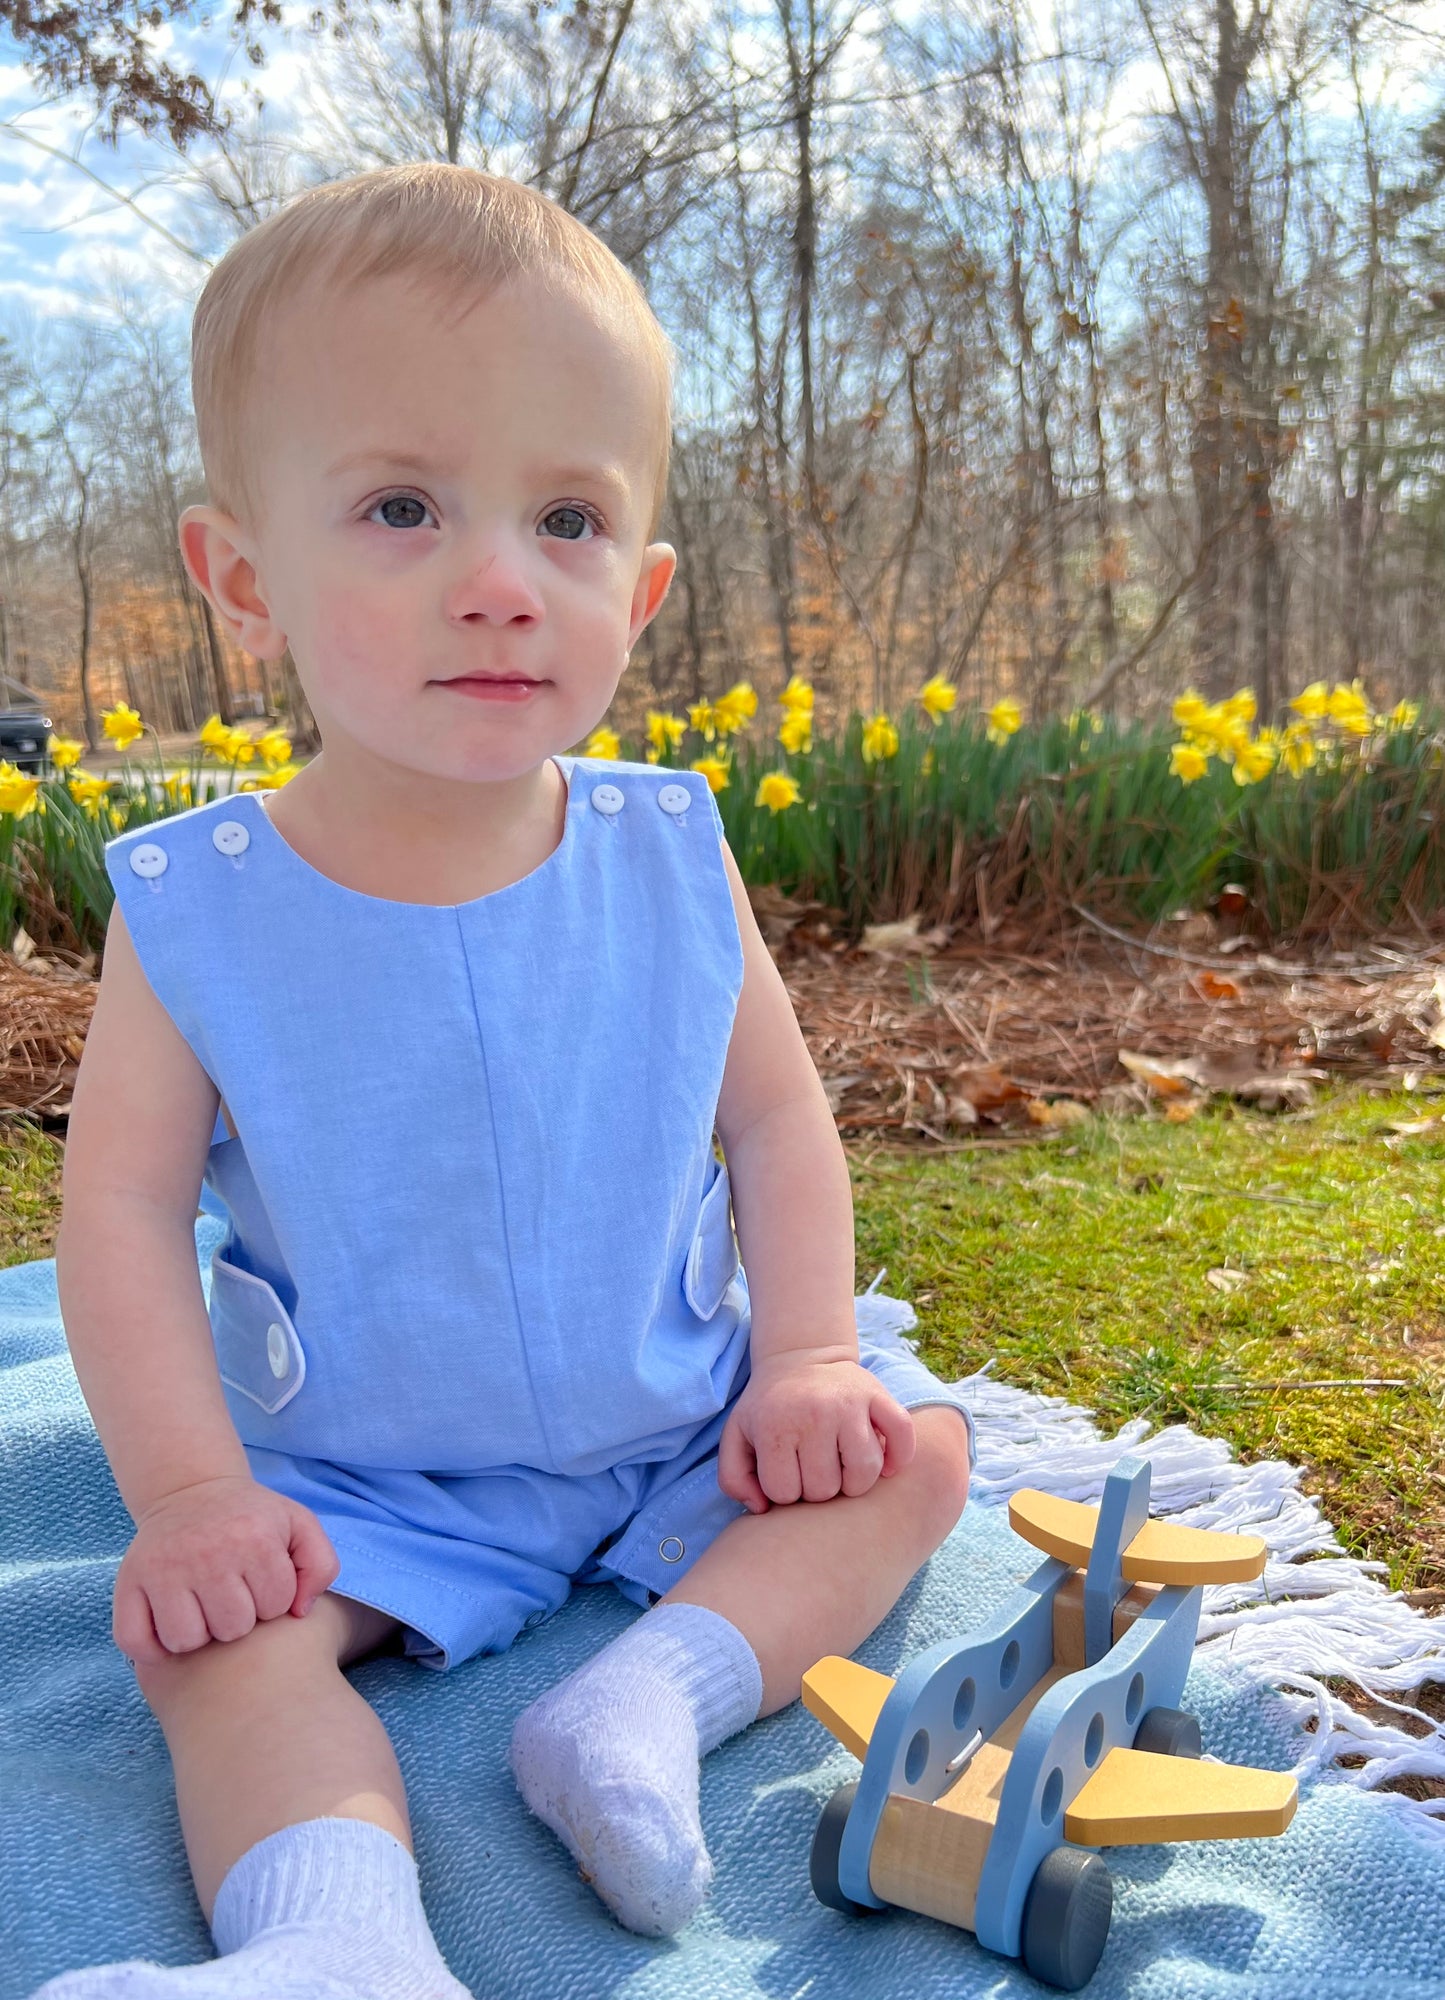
217	553
659	563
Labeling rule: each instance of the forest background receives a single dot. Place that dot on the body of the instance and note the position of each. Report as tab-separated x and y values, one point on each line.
1075	352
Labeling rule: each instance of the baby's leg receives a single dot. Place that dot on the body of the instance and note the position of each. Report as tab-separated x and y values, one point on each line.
266	1732
609	1759
295	1822
803	1581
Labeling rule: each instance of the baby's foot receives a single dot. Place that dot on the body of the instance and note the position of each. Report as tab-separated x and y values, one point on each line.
609	1759
327	1909
296	1962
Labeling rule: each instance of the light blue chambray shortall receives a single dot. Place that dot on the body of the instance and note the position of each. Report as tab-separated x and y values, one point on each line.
479	1305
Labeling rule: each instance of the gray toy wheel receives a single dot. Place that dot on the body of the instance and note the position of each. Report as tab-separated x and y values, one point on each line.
1169	1732
823	1860
1066	1918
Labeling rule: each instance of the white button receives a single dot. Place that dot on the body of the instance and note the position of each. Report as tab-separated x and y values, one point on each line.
607	799
277	1352
230	837
674	798
149	860
674	1543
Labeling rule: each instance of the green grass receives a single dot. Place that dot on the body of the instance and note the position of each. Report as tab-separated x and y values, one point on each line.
1079	1264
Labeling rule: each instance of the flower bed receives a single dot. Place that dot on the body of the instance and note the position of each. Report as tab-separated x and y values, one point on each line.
1328	824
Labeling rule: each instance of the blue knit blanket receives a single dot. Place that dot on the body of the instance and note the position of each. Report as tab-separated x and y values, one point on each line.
1348	1902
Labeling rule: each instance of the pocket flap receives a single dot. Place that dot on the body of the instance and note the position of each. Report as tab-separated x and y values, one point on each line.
712	1261
257	1348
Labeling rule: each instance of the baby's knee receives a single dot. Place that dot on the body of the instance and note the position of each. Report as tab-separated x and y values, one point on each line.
940	1465
275	1655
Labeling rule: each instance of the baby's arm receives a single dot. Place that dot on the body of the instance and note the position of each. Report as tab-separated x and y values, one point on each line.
214	1550
811	1423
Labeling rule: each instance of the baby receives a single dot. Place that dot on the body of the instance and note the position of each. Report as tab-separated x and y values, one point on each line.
446	1026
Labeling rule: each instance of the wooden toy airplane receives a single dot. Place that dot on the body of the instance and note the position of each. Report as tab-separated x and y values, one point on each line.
993	1763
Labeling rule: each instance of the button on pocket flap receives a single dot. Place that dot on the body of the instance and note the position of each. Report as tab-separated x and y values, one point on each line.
256	1344
712	1261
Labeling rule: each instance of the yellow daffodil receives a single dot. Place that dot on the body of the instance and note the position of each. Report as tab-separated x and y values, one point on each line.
1190	710
603	743
735	709
1187	763
715	770
19	794
664	732
880	739
1004	719
701	718
89	792
1252	762
118	817
1404	715
777	791
1312	704
1349	710
1298	750
64	752
929	764
797	695
796	733
1240	707
274	747
1089	722
937	697
122	725
213	733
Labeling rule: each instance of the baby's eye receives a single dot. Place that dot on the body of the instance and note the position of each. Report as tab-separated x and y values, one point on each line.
576	519
402	500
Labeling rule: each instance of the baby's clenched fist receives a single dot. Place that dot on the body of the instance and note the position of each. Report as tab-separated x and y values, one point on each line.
211	1561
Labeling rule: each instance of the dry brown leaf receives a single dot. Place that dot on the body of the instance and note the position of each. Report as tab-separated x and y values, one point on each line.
961	1111
1056	1115
985	1086
1166	1079
1209	986
1225	1280
1180	1109
1412	1128
899	936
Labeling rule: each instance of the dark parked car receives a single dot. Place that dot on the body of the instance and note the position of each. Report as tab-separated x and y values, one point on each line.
24	733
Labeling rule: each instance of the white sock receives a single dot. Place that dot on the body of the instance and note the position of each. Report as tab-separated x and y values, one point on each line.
329	1909
609	1758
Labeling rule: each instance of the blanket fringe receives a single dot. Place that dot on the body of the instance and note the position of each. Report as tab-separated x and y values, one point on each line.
1316	1614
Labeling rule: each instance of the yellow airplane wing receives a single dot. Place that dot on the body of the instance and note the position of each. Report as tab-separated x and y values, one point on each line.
1159	1553
1138	1796
846	1698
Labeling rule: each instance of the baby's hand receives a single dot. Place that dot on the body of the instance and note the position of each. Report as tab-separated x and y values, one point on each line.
805	1429
211	1560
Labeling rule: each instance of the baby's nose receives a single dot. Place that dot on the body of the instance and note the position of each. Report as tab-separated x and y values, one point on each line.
498	588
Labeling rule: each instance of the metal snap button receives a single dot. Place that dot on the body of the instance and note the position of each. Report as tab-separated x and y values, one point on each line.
148	860
674	798
672	1542
607	799
230	837
277	1352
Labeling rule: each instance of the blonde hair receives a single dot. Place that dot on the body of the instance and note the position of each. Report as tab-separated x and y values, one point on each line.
464	230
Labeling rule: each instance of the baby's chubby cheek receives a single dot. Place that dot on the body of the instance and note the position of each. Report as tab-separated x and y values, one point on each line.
362	647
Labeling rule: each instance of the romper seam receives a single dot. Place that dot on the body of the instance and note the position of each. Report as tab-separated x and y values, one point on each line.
503	1194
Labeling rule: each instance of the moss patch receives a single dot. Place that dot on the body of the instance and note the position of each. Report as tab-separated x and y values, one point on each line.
1083	1267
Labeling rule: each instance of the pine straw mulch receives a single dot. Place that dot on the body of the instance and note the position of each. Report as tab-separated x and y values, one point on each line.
938	1038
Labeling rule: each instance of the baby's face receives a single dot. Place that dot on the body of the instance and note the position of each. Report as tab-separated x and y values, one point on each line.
506	538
